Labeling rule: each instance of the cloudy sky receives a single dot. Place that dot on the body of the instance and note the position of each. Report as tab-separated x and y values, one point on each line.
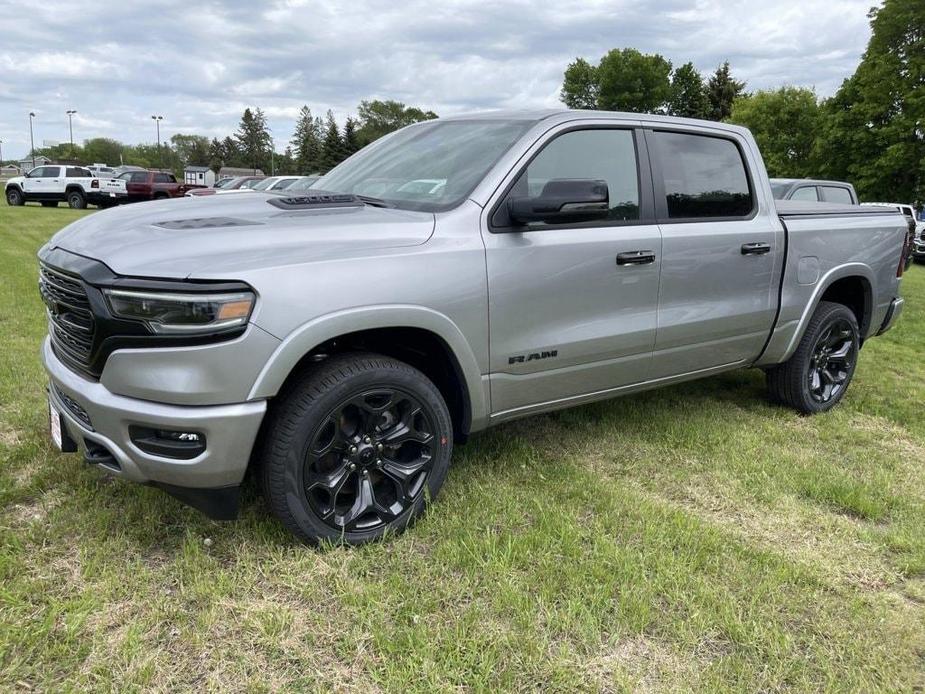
200	63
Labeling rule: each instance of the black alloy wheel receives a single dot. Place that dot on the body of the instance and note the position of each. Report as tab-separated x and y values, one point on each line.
832	361
369	459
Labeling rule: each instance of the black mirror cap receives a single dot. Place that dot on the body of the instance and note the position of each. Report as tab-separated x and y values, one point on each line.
563	200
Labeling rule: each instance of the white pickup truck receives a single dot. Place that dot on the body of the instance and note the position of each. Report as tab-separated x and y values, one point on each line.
74	185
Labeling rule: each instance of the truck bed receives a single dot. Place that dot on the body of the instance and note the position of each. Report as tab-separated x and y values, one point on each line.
806	208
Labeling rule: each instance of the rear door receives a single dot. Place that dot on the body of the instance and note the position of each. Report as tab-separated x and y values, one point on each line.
565	318
720	243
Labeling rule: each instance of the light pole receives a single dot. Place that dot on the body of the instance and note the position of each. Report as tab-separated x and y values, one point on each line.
157	123
1	153
32	138
70	125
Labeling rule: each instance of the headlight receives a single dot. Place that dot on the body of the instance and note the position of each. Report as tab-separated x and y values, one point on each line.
168	313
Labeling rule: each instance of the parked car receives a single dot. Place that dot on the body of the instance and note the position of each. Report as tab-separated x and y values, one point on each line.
75	185
813	190
916	227
232	184
269	184
345	343
101	170
302	184
155	185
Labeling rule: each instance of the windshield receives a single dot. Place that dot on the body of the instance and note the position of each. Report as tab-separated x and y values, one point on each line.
427	167
222	183
262	185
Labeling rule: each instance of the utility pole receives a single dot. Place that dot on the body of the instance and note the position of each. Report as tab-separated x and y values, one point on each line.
1	153
70	125
157	123
32	138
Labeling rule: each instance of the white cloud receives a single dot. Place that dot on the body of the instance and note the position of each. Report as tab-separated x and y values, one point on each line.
201	64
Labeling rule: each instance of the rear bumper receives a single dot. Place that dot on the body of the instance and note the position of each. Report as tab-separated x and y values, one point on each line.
96	197
96	417
892	315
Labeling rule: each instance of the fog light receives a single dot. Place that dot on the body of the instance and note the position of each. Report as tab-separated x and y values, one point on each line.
168	443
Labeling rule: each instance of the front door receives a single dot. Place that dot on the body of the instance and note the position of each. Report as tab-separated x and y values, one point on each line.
38	184
567	318
717	297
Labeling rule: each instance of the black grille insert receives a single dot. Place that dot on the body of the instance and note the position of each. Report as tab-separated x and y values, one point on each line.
70	318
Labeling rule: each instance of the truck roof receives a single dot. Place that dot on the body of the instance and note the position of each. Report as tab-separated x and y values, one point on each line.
563	115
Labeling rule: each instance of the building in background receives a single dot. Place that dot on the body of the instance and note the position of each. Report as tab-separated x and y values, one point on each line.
199	175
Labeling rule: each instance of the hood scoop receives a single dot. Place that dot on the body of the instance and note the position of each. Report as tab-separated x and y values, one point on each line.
205	223
312	202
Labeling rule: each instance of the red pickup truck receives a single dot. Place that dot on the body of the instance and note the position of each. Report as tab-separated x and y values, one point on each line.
153	185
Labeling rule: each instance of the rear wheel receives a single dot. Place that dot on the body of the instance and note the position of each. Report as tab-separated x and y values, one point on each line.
355	450
816	377
14	197
76	200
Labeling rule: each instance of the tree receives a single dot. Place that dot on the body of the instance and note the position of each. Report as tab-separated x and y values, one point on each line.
785	123
378	118
193	150
351	138
722	91
306	142
103	150
332	147
874	126
253	137
688	93
580	86
632	81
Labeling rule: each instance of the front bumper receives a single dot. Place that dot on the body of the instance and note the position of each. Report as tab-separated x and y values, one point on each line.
230	431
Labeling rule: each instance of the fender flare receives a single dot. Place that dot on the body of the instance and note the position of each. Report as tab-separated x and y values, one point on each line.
827	280
329	326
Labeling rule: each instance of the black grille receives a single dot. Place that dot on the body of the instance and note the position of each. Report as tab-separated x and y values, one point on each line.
70	320
74	408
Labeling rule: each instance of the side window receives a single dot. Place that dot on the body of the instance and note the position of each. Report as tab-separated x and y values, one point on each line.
74	172
806	193
44	172
704	176
601	154
838	194
161	178
139	177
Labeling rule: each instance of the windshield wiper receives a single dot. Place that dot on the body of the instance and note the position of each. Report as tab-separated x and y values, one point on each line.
373	202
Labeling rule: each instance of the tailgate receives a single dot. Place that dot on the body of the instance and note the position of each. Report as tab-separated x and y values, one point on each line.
113	185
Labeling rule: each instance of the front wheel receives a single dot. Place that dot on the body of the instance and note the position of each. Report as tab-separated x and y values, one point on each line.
355	449
76	200
816	377
15	197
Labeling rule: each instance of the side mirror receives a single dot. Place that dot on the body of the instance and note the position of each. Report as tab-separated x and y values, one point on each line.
563	200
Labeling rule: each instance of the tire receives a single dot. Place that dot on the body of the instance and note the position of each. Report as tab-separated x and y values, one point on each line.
49	203
76	200
160	196
355	449
14	197
818	374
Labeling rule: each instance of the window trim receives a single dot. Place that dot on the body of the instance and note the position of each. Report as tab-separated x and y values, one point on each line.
643	174
658	180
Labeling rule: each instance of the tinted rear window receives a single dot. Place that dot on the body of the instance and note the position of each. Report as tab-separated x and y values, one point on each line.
703	176
838	194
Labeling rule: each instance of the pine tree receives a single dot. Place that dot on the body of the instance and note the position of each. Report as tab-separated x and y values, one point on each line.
306	142
351	137
332	147
253	137
722	90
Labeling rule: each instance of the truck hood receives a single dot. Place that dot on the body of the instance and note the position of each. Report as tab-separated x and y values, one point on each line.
219	235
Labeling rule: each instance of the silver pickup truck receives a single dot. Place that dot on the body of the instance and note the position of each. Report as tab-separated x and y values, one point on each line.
453	275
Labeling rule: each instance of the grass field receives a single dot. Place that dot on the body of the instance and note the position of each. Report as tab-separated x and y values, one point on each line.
692	538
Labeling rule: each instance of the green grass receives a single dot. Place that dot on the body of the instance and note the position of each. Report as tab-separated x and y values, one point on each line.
691	538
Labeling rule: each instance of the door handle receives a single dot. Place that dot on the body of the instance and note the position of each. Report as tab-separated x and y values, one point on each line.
759	248
636	258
